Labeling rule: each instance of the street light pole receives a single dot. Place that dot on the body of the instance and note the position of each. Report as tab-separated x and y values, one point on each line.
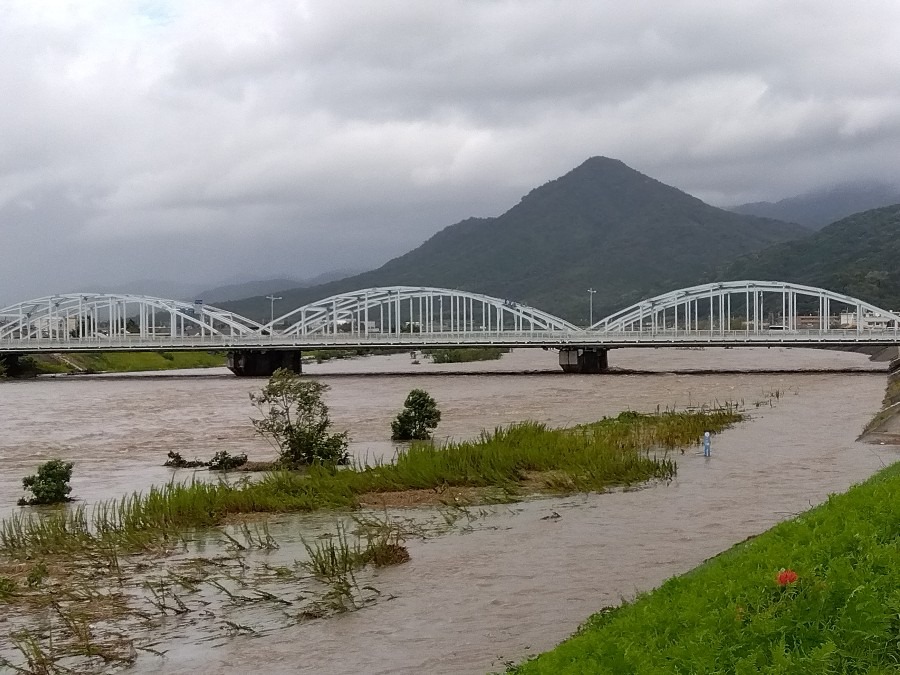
273	298
591	292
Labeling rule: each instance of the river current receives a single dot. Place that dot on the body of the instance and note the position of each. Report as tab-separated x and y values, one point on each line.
525	578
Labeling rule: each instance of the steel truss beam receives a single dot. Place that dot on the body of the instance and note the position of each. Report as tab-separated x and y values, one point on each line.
87	316
721	307
421	309
734	312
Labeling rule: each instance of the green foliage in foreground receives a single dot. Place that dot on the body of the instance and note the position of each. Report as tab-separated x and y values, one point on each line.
841	615
50	485
465	354
591	457
419	417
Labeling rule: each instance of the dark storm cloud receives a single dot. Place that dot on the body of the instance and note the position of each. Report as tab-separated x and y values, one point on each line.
209	140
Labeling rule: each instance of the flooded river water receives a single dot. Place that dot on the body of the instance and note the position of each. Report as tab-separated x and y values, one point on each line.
519	582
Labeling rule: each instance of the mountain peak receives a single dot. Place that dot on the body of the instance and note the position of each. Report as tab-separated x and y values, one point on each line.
602	225
609	188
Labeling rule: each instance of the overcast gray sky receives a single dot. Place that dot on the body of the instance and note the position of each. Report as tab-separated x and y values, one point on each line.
199	141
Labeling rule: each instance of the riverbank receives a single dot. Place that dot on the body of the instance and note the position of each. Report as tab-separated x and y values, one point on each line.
124	362
815	594
510	579
885	426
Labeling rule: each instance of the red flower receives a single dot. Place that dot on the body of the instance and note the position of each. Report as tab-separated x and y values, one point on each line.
786	577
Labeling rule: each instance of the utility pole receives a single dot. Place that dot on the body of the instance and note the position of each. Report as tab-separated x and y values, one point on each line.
272	299
591	292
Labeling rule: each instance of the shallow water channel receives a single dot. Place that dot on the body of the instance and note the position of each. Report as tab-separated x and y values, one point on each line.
502	582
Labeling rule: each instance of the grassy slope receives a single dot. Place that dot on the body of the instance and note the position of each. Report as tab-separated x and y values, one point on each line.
730	615
888	411
128	362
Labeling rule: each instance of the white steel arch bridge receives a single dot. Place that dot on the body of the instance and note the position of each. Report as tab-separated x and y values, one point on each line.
746	313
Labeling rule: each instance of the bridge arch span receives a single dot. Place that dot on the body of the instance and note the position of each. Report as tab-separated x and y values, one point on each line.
749	305
87	316
405	309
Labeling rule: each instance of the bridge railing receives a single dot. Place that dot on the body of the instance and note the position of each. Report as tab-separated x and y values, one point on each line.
134	342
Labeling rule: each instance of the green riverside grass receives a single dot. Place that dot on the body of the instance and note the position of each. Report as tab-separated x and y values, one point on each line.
128	362
465	354
731	615
592	457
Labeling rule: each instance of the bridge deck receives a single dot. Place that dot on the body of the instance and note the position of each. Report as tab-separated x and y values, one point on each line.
549	339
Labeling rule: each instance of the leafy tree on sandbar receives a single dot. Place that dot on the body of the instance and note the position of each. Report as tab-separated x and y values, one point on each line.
419	417
50	485
297	420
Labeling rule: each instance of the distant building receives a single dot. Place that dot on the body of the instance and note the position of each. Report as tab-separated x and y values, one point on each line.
870	321
58	325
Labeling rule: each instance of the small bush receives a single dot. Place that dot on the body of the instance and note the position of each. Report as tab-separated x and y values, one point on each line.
296	419
465	354
36	575
50	485
222	461
176	461
7	587
419	417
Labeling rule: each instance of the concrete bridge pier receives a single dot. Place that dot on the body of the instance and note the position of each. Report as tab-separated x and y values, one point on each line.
263	362
12	365
585	360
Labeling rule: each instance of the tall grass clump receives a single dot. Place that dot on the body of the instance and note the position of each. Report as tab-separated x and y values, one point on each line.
817	594
334	556
625	450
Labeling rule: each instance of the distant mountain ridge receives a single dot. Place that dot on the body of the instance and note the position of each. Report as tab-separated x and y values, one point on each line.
857	255
603	225
245	289
822	207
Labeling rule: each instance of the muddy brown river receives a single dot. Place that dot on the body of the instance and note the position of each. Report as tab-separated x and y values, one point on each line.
518	582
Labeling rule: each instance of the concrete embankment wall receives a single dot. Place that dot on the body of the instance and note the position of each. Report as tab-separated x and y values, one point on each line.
885	426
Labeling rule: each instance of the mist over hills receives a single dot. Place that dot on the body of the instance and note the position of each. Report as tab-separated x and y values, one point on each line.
266	286
857	255
822	207
603	225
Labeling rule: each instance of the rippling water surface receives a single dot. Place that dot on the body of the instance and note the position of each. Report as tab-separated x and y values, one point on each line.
517	583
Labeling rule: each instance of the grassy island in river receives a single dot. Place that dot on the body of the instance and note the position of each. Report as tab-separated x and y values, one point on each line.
512	461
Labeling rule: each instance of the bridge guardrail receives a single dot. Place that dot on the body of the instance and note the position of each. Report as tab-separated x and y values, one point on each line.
447	339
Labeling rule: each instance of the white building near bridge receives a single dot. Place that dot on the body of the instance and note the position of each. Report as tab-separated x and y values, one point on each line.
870	321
